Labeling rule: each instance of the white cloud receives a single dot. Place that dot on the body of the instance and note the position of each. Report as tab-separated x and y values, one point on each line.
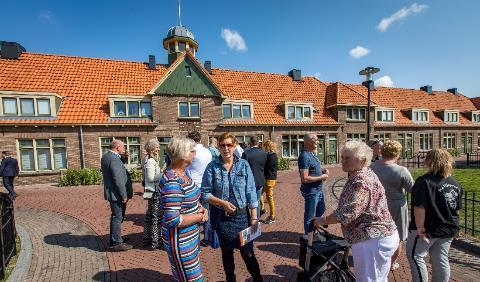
234	40
385	81
317	75
46	15
359	52
401	14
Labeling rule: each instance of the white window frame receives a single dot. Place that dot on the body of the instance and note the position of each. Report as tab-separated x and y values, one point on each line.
425	141
35	154
303	105
475	116
420	111
447	116
358	109
383	136
246	138
240	103
449	136
382	111
298	140
356	136
127	146
189	110
30	95
126	99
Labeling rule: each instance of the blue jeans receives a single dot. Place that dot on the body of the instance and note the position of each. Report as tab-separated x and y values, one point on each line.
314	207
259	195
116	218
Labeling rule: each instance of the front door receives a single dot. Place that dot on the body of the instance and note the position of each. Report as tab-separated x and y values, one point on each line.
332	149
162	153
321	148
409	145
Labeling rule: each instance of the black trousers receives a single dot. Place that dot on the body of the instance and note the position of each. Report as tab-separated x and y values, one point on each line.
8	183
248	257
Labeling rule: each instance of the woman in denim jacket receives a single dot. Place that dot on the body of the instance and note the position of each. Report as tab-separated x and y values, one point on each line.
229	188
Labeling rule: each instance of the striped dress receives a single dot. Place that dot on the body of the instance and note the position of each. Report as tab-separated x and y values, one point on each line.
181	243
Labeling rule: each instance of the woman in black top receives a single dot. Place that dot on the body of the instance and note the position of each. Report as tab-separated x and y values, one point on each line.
436	200
270	180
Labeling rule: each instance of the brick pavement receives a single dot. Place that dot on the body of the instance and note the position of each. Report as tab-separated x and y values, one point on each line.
277	249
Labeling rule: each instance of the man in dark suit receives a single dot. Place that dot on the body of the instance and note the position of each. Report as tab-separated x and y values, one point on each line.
256	157
117	191
9	171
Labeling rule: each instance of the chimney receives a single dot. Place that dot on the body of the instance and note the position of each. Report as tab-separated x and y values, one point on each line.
152	64
427	88
453	91
296	74
11	50
208	66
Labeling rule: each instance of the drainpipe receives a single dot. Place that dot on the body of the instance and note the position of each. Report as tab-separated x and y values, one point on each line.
82	149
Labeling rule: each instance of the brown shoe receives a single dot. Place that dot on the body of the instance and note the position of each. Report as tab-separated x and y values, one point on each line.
121	247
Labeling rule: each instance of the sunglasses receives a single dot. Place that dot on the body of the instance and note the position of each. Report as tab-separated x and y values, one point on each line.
223	145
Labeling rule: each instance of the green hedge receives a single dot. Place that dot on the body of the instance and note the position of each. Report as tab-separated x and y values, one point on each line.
136	175
76	177
283	164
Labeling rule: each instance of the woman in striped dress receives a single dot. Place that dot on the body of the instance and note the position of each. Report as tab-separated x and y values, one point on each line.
182	212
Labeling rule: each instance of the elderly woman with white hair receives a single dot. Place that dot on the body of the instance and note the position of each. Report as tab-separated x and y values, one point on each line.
363	214
182	212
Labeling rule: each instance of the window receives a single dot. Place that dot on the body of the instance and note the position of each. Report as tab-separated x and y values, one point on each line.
356	136
132	145
42	154
23	106
171	47
43	106
382	136
132	109
466	143
246	139
476	117
451	116
420	116
181	46
291	145
355	114
9	106
426	141
189	109
27	107
449	140
299	112
384	115
237	110
188	71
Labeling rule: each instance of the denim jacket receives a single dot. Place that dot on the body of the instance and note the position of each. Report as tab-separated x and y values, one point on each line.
215	183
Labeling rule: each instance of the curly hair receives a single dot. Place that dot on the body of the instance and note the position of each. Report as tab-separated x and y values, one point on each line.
269	146
227	135
391	149
439	161
179	148
360	151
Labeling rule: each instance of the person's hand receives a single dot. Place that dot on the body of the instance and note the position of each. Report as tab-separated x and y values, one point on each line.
254	224
204	216
201	209
317	222
421	231
229	207
325	177
124	201
325	171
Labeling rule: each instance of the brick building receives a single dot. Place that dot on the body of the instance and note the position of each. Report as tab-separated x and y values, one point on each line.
59	112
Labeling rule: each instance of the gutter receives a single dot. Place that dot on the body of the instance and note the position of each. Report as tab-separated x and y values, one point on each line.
82	149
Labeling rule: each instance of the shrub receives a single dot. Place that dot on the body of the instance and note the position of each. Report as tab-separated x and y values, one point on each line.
283	164
136	175
453	152
76	177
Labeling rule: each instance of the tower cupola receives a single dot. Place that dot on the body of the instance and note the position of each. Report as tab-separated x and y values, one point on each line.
179	39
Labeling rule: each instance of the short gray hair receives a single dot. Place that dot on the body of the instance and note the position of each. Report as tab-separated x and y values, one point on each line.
360	151
151	144
179	148
116	143
308	136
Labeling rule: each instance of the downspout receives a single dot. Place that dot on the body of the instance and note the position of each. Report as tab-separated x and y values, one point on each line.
82	149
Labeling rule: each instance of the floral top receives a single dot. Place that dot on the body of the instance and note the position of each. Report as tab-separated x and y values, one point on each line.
362	208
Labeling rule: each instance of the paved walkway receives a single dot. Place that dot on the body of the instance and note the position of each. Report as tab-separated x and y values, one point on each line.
277	249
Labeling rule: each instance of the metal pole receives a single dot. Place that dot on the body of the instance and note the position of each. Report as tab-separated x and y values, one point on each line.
369	128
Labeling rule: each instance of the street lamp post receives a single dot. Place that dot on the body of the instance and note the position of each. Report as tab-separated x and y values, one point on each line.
368	73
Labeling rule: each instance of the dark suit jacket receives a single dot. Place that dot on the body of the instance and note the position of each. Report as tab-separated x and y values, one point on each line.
117	186
9	167
256	157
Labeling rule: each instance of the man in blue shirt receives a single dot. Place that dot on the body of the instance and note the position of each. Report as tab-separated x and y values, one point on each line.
312	177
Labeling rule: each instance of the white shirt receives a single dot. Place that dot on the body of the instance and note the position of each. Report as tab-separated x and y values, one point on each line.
238	152
199	163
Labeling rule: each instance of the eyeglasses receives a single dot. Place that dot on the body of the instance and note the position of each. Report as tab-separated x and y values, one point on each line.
224	145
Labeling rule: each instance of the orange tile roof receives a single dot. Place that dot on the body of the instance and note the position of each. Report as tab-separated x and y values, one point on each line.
476	102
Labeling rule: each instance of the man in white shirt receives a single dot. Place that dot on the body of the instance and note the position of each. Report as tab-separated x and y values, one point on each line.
199	163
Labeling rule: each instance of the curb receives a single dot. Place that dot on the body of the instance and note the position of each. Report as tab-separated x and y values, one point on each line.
20	271
467	245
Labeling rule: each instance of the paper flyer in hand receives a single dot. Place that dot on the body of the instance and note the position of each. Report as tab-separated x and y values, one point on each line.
247	235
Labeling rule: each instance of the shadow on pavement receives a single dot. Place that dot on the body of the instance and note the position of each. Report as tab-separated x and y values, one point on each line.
291	251
138	219
67	240
135	274
280	236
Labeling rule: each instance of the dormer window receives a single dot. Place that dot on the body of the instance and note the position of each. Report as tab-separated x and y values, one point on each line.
385	115
420	116
475	116
298	111
237	109
356	114
27	104
130	106
451	116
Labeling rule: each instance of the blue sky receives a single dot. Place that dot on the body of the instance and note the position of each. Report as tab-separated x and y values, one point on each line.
414	43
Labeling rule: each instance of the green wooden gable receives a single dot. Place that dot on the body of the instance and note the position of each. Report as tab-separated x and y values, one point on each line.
187	79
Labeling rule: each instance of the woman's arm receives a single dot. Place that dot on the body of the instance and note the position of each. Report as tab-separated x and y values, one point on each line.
420	220
250	190
172	198
354	202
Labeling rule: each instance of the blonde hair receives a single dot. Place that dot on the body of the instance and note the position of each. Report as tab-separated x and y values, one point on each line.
360	150
391	149
179	148
439	161
269	146
227	135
